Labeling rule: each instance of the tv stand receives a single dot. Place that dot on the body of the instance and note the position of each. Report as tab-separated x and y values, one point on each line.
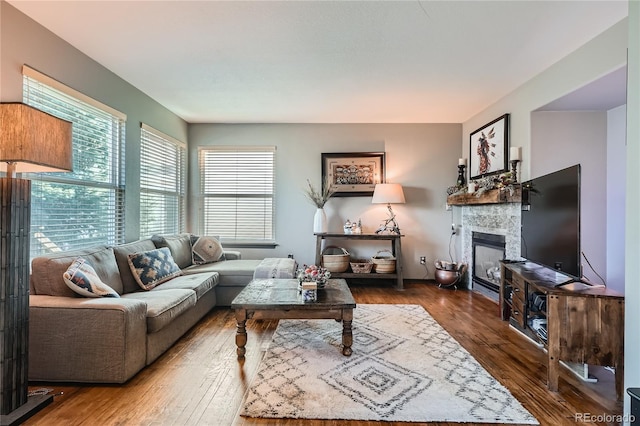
584	326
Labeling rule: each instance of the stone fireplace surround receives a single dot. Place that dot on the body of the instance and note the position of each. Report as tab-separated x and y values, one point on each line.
499	219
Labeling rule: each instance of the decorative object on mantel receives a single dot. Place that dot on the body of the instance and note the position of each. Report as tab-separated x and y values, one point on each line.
488	148
32	141
462	180
319	199
503	182
388	193
514	158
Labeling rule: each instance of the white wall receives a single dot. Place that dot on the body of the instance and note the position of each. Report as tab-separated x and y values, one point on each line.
572	72
562	139
632	230
421	157
616	188
23	41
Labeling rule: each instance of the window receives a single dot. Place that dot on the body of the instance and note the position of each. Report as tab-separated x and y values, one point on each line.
162	183
84	207
237	190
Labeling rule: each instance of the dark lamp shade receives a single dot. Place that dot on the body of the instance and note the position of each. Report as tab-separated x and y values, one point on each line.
388	193
34	141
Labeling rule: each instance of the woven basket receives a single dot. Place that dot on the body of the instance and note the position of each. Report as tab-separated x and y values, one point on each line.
335	262
384	264
361	266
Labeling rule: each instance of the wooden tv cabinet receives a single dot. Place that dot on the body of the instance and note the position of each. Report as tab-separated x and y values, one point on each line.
582	326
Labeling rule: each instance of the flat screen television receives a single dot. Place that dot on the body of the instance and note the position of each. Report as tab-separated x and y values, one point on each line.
551	221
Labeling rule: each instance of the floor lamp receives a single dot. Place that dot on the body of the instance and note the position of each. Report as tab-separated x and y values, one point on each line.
30	141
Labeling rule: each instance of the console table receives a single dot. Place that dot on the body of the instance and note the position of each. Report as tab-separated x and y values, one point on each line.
396	250
584	326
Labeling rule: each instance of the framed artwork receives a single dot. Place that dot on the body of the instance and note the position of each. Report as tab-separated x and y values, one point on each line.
488	148
353	174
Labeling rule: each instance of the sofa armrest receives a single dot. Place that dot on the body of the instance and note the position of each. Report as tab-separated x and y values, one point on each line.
95	340
232	255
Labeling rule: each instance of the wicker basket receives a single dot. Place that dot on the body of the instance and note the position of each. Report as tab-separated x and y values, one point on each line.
384	264
335	262
361	266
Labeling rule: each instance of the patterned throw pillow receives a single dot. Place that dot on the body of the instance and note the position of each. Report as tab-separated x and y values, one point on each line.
153	267
82	278
205	250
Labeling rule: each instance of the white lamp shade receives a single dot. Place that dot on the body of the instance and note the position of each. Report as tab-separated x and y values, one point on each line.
34	141
388	193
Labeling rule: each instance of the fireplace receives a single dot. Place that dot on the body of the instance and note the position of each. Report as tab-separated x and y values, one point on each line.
502	223
487	252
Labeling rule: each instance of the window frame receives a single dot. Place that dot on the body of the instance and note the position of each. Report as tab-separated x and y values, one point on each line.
205	195
98	131
160	143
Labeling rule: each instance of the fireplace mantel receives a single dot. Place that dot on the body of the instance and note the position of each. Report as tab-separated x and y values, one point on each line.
493	196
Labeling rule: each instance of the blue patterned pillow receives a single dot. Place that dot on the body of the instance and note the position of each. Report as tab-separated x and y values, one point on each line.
153	267
82	278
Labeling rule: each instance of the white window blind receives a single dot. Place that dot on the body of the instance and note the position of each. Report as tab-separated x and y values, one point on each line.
162	183
237	190
84	207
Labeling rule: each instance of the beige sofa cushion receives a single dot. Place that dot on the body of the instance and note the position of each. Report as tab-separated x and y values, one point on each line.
163	306
47	271
122	253
200	283
232	272
178	244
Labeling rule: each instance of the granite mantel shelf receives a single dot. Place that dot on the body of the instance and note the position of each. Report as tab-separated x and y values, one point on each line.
493	196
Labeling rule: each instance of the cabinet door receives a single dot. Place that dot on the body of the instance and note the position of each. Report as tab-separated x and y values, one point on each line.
590	329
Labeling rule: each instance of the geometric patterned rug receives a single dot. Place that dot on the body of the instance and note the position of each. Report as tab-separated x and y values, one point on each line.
404	367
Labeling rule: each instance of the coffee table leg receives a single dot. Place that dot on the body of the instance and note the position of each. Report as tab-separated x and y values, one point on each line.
241	332
347	334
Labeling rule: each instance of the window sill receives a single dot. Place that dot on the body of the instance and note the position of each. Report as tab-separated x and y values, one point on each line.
249	244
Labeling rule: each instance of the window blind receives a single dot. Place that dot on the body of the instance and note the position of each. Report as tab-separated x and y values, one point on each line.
84	207
237	191
162	183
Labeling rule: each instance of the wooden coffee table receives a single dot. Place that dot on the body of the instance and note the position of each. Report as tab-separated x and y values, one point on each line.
280	299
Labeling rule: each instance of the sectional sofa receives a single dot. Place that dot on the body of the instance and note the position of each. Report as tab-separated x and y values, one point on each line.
109	339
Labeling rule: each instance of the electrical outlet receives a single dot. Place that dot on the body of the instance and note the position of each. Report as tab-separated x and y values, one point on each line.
423	260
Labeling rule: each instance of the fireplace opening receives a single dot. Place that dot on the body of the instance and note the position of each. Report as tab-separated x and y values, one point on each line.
487	251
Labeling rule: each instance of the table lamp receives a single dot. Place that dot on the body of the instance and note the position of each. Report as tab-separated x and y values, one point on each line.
389	193
30	141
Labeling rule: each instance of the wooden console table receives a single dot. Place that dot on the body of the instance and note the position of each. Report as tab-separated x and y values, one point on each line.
396	250
582	326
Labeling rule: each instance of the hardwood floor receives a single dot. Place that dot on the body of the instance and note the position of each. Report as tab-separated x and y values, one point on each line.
199	381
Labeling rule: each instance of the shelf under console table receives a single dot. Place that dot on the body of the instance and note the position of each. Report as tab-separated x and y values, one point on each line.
582	326
396	250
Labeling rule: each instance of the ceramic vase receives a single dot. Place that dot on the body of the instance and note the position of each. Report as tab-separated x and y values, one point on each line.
320	221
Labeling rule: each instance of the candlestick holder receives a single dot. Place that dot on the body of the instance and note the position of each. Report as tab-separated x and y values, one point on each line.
514	170
462	181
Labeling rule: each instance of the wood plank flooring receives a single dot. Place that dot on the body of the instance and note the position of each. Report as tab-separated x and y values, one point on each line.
199	381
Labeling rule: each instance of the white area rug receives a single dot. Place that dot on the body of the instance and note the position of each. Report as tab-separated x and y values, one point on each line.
404	367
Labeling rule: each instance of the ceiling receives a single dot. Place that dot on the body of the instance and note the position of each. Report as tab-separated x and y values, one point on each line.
326	62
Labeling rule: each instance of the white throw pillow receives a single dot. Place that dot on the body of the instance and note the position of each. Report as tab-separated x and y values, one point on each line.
82	278
206	250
